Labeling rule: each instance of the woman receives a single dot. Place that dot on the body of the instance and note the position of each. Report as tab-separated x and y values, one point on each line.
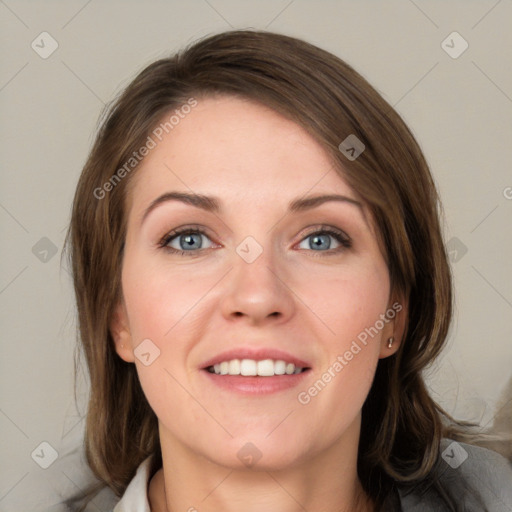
260	279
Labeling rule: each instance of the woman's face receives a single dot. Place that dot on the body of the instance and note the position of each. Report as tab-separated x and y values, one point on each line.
252	279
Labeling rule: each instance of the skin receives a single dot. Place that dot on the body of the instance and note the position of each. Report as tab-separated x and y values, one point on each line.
310	302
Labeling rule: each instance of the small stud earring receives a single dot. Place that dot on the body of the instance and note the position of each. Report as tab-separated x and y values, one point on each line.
390	341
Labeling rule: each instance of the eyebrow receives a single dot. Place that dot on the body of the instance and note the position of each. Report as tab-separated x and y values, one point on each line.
213	204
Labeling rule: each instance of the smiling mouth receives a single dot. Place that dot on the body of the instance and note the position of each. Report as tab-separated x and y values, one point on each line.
254	368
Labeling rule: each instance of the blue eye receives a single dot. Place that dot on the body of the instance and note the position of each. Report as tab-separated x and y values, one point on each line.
188	241
320	240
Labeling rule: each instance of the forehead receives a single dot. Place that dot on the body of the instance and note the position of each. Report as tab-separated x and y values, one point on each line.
239	150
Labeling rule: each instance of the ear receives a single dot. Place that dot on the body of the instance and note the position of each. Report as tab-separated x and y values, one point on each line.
396	314
120	330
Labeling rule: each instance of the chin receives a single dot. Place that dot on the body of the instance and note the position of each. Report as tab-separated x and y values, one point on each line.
259	452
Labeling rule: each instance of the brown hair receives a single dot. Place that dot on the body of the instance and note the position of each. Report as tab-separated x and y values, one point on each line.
401	424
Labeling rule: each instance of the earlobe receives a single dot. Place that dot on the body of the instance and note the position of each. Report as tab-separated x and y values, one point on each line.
393	331
389	346
120	331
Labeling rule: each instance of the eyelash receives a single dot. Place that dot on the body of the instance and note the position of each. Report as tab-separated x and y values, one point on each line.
339	236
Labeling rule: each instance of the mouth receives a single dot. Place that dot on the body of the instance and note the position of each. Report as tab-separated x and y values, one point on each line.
255	372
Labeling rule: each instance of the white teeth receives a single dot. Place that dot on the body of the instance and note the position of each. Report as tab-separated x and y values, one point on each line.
266	368
234	367
248	367
279	367
251	367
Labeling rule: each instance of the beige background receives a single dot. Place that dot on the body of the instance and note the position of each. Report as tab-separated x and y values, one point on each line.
459	109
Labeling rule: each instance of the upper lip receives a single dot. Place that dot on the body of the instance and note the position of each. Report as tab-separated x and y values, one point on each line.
258	354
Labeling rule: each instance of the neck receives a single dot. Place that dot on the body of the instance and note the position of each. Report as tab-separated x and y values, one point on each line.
326	481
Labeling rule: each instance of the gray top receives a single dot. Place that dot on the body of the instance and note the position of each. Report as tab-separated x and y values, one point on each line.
471	479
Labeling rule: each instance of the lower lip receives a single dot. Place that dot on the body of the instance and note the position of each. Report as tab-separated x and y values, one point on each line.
256	385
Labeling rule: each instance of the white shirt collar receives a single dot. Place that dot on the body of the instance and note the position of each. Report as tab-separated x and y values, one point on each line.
135	497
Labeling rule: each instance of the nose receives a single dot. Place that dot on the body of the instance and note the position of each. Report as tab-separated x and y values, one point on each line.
258	291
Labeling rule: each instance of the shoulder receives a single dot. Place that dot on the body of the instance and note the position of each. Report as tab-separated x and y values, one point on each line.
479	469
468	477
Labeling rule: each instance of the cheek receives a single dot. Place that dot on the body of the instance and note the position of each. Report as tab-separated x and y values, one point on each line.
351	304
160	305
164	306
160	299
352	348
352	317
